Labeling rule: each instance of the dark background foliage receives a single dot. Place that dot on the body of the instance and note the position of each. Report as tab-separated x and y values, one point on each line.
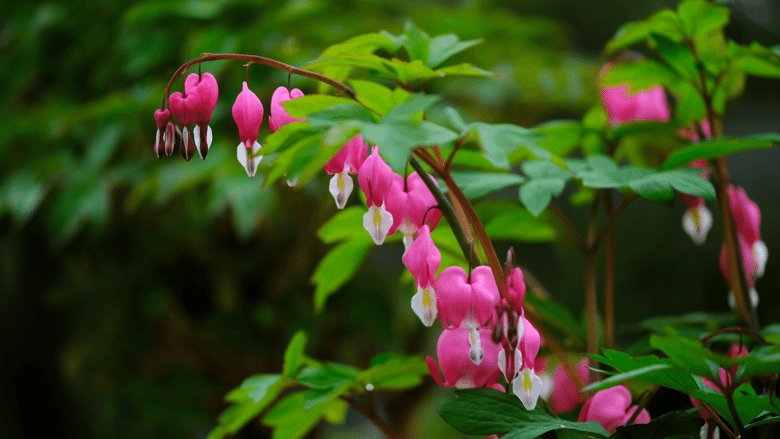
134	293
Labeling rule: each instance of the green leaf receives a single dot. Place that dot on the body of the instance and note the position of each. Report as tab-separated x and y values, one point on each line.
361	44
487	411
689	354
673	378
398	137
560	137
22	195
394	372
720	147
346	224
291	420
763	360
621	378
414	106
337	267
263	389
293	355
463	69
416	42
546	181
640	75
377	97
443	47
677	55
257	386
498	141
307	105
700	17
476	184
328	376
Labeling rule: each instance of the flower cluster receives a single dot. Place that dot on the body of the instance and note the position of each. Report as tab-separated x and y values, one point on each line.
623	107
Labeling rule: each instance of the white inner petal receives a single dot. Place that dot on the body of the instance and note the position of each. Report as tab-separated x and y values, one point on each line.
249	160
377	221
424	305
502	363
157	144
475	343
697	223
761	255
527	387
340	187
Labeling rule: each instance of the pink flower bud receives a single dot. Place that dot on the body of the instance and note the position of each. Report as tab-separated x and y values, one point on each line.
409	202
623	106
248	115
515	287
612	408
469	300
746	214
458	368
279	116
204	86
530	342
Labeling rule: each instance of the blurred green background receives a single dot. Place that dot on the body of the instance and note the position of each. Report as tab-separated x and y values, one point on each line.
134	293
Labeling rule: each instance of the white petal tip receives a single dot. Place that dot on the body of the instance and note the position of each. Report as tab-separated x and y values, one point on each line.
377	221
697	223
249	160
424	305
340	188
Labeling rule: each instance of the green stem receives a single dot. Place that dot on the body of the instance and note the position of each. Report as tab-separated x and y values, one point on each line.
447	211
609	277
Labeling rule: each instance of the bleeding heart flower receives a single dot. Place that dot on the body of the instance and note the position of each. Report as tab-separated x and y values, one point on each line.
279	117
623	106
248	115
184	109
515	287
456	364
748	267
612	408
161	118
411	203
347	161
423	259
467	300
526	384
376	178
747	220
697	219
205	86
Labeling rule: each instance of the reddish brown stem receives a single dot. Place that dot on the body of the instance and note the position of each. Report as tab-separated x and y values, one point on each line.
256	59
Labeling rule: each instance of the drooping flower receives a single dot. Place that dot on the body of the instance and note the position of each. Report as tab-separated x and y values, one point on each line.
697	219
279	117
184	109
526	384
423	259
726	376
347	161
747	221
161	119
612	408
565	394
623	106
467	300
748	268
376	178
456	364
248	115
205	86
410	202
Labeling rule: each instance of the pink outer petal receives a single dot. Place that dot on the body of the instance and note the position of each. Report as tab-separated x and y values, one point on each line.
530	343
453	296
397	201
565	394
423	258
205	86
607	407
433	368
350	157
161	118
623	106
181	108
248	115
375	178
748	262
421	202
746	214
279	116
485	294
619	108
452	350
